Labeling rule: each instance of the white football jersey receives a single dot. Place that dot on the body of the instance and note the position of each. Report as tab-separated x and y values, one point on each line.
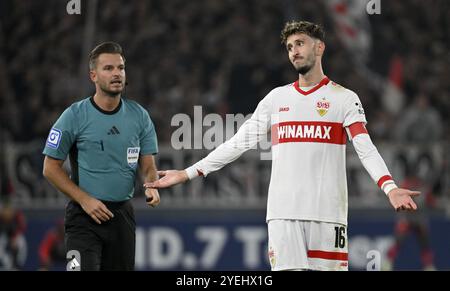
308	180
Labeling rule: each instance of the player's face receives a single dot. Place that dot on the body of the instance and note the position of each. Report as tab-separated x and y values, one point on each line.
302	50
109	74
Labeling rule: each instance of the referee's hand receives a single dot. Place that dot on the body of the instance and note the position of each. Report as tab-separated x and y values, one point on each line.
96	209
152	197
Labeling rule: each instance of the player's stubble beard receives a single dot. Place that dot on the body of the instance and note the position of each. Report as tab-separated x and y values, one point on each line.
309	64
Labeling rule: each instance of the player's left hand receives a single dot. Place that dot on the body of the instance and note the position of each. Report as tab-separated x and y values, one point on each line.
152	197
401	199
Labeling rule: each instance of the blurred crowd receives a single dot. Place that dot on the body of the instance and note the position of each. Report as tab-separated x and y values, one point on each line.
222	54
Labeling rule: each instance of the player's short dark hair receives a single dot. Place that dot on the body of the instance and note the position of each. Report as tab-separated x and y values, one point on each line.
311	29
108	47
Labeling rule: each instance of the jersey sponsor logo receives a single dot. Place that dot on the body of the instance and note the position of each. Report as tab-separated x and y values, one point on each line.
283	109
308	131
133	156
54	138
322	106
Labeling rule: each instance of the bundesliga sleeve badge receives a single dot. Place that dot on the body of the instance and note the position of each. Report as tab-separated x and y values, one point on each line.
54	138
322	106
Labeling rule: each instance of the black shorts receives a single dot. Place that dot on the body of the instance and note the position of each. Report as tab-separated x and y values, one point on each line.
106	246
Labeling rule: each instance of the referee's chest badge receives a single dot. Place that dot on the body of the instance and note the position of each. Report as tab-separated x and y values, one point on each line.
133	156
322	106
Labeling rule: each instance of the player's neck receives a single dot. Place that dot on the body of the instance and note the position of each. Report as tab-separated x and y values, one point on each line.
107	103
313	77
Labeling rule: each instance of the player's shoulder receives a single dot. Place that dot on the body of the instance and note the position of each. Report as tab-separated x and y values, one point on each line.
285	87
341	92
280	90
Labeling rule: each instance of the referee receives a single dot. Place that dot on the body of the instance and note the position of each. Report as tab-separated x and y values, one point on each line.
106	137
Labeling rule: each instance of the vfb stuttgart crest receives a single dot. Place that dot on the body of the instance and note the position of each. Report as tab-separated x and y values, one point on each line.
322	106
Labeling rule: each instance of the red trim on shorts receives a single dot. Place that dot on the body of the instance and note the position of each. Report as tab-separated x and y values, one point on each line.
328	255
383	179
357	128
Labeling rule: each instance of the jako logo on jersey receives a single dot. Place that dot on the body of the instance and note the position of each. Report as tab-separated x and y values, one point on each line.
308	131
54	138
133	156
283	109
322	106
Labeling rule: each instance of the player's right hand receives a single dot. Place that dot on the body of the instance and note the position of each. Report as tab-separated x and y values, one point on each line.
168	178
96	209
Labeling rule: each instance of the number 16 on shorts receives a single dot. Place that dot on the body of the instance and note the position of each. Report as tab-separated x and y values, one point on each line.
339	241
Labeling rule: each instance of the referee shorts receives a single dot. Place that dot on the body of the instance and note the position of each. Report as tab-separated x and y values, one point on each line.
109	246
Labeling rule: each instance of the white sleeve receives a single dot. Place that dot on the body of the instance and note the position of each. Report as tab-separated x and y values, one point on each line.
248	135
353	110
373	162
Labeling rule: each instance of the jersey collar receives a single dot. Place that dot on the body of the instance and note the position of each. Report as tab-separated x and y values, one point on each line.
324	81
104	111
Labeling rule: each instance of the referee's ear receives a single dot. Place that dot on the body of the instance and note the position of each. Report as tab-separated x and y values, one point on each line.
93	75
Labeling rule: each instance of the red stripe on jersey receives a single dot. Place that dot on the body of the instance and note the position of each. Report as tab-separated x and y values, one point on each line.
357	128
383	179
308	131
322	83
200	173
328	255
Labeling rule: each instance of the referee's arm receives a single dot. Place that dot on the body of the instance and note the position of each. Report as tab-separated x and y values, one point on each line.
53	171
149	174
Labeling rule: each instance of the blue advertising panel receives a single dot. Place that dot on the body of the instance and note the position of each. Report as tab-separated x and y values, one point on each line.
231	240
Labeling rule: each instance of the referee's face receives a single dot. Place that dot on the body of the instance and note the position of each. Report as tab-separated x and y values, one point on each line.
109	74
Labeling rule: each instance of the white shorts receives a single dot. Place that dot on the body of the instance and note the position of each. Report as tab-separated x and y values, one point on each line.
307	245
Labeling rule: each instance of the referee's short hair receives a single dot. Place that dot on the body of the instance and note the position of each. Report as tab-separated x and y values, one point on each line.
108	47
